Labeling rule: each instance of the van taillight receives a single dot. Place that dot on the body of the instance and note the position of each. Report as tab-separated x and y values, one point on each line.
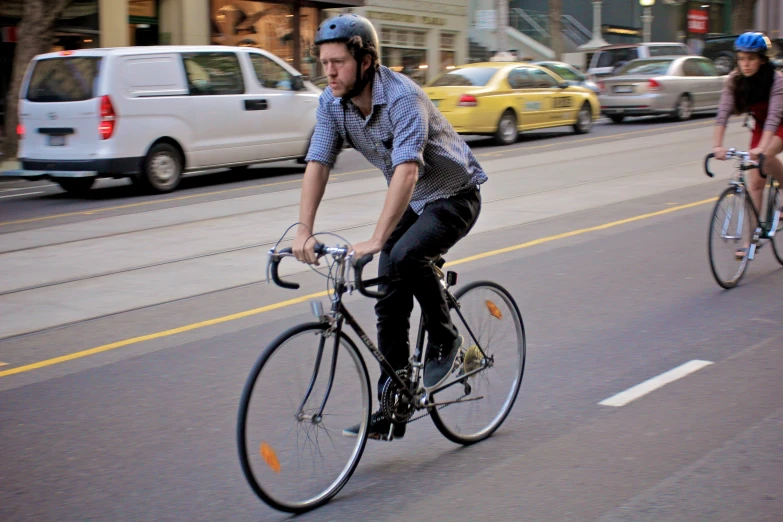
20	131
108	118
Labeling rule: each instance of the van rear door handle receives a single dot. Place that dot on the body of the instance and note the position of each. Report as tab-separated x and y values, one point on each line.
256	105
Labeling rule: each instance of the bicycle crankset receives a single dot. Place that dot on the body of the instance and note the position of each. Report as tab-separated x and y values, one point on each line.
392	403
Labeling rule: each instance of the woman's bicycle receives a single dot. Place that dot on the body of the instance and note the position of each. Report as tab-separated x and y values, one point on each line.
737	229
311	382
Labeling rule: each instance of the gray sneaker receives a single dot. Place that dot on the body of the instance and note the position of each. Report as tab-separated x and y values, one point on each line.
440	362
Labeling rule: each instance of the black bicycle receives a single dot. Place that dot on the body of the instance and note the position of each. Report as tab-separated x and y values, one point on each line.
735	233
311	382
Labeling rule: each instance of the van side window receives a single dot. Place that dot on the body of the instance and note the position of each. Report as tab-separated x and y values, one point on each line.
270	75
213	73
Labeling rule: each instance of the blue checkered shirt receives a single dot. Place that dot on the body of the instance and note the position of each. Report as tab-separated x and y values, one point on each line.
404	126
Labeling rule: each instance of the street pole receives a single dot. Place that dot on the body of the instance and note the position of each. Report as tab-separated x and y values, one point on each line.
502	10
597	41
647	19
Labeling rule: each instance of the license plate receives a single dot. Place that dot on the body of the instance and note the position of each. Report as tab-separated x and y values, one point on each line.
623	88
57	140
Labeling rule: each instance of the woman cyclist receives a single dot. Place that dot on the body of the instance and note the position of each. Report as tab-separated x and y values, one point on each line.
757	89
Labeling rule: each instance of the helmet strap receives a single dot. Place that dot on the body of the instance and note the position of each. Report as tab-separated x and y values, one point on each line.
361	80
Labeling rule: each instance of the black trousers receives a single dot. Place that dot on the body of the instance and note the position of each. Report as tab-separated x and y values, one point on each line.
416	240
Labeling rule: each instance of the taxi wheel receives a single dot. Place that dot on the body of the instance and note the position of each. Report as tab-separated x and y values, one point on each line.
507	129
584	120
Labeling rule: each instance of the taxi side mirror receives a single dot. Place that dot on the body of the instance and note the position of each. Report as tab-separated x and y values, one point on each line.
563	85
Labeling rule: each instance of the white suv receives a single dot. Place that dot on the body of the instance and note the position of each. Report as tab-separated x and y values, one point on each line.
608	58
153	113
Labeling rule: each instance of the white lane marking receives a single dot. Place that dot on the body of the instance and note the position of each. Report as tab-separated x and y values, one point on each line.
25	188
20	195
641	389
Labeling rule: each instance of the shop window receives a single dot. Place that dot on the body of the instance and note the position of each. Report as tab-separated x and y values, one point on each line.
447	52
216	73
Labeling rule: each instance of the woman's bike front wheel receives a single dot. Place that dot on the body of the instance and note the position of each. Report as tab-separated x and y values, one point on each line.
730	232
484	397
291	446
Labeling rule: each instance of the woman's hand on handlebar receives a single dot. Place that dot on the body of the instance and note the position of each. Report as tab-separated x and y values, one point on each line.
754	154
720	153
304	248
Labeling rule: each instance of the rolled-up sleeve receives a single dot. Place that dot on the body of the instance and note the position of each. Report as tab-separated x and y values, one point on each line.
726	107
408	115
326	142
775	112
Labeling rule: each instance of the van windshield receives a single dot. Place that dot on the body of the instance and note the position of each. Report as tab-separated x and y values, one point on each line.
64	79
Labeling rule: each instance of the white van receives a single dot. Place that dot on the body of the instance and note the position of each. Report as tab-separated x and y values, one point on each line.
152	113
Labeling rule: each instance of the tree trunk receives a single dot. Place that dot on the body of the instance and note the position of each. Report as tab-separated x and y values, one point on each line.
556	27
35	37
742	16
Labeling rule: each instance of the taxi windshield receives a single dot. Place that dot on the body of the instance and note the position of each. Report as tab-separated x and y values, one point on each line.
469	77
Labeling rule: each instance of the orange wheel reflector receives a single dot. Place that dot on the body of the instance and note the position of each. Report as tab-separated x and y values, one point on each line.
494	310
270	457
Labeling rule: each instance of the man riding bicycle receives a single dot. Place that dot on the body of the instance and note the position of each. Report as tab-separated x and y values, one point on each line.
433	197
757	89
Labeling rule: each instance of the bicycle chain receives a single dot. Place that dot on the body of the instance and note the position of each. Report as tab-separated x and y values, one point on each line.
437	408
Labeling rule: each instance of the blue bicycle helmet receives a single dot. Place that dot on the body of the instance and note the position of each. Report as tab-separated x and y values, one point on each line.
752	43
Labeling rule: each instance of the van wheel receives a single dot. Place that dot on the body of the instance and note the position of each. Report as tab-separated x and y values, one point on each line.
507	132
162	170
584	120
76	186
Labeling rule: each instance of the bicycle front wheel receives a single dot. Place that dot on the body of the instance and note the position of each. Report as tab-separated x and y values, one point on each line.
483	400
730	231
291	450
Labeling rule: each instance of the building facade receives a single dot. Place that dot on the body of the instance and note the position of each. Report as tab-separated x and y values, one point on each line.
420	38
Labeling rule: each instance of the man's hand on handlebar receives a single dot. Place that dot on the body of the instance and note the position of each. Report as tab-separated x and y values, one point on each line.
366	247
304	248
720	153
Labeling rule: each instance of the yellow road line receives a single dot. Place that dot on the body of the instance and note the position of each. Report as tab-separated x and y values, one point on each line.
167	200
305	298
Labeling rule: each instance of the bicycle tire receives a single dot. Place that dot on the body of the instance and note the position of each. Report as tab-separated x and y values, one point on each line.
775	199
265	492
440	416
715	217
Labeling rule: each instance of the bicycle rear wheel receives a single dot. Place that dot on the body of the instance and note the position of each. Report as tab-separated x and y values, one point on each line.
294	460
730	230
777	243
485	398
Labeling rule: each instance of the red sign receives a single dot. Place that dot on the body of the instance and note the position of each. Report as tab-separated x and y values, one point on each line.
698	21
9	34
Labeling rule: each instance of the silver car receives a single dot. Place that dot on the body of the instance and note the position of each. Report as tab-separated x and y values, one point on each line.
674	85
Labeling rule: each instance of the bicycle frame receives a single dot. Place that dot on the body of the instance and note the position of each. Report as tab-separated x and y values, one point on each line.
339	316
764	229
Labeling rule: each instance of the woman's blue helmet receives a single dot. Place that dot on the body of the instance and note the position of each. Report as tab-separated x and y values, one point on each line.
752	43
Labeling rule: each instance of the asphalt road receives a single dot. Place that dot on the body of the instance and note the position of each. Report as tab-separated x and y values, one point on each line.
131	324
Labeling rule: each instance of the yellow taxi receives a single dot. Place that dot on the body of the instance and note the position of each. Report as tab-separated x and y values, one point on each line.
503	98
